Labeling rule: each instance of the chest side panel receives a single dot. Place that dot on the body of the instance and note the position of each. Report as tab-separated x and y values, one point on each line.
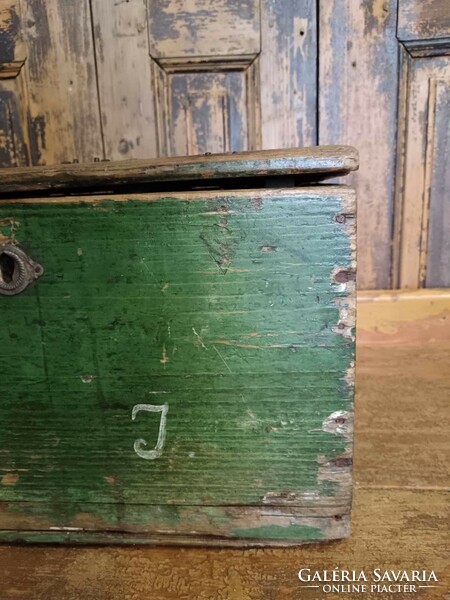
182	360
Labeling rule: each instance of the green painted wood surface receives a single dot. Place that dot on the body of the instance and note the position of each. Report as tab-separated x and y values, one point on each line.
226	309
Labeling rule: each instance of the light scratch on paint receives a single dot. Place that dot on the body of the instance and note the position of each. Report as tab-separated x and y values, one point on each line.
163	360
222	359
254	346
9	479
200	339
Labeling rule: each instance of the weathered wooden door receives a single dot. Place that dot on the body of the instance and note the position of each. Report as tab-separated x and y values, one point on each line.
384	80
97	80
165	78
423	183
216	76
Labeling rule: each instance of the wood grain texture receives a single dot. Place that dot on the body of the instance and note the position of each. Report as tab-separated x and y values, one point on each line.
358	71
288	67
12	50
206	104
393	527
13	146
231	317
124	79
403	317
438	251
423	20
208	112
422	185
203	62
233	110
319	162
13	118
63	119
201	28
405	335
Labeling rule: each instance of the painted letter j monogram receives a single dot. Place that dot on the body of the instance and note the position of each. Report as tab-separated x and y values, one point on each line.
140	444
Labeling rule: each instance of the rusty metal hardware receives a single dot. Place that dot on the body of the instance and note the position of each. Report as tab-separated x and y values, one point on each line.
17	270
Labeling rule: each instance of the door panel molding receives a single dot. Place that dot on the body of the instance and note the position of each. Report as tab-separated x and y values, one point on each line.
12	49
423	76
428	47
207	105
196	64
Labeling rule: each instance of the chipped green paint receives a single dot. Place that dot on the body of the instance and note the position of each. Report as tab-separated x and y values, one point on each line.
223	308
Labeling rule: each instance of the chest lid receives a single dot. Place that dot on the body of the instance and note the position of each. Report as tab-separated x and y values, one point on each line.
212	170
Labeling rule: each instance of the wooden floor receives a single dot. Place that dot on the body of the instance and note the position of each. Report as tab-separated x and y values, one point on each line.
401	509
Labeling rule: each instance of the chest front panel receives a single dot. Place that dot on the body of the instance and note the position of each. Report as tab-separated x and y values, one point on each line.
182	368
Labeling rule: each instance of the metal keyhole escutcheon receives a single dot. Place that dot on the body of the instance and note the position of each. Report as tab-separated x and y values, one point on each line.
17	270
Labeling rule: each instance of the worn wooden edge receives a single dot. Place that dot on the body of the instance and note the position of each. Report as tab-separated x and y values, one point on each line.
248	527
400	529
119	538
232	526
345	192
321	161
396	317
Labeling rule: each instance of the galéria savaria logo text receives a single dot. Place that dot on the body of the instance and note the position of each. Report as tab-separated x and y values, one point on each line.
377	581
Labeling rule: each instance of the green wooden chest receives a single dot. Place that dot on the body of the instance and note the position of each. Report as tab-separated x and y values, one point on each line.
177	350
